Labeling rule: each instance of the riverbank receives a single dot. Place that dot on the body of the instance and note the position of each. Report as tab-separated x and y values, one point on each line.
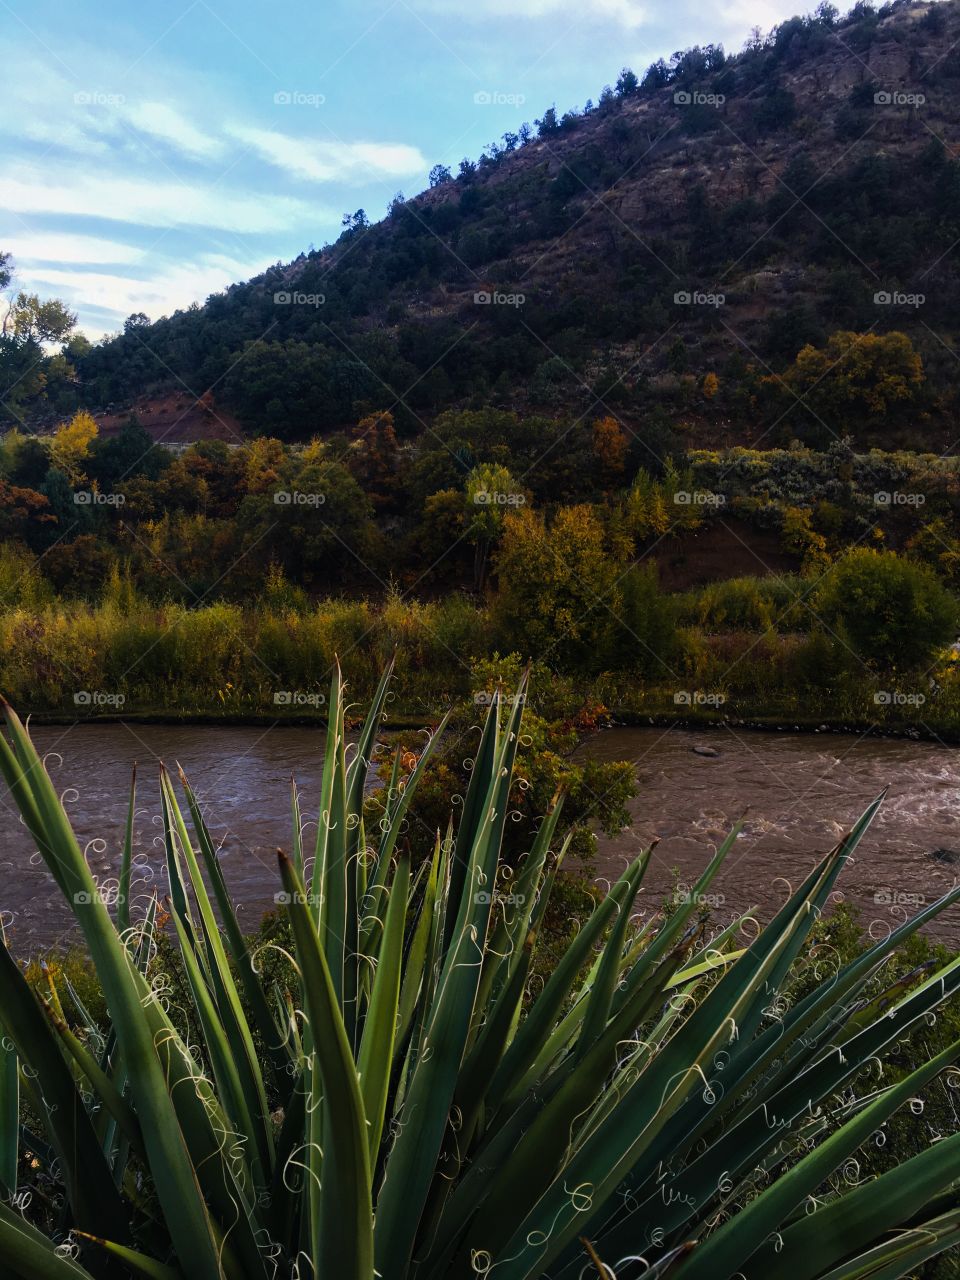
224	664
947	733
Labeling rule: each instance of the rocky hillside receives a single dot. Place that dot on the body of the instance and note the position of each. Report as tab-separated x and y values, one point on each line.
663	256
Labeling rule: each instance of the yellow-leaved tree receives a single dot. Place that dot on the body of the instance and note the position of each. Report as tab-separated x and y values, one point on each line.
70	444
855	377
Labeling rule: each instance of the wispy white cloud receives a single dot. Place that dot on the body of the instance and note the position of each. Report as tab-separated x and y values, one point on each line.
150	202
628	13
316	161
704	24
169	287
59	247
161	121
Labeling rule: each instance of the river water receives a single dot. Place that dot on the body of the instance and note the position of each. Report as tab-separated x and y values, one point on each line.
801	790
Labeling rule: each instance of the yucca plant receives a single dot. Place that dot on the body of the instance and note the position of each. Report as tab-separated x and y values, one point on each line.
413	1104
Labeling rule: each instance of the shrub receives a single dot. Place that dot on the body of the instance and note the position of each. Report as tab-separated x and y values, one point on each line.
895	613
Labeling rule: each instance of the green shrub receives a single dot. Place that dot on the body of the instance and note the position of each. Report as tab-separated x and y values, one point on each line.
895	613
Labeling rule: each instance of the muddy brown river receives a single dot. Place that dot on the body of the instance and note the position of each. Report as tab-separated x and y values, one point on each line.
801	790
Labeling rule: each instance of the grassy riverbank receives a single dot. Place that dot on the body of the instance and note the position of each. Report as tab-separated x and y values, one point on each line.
129	658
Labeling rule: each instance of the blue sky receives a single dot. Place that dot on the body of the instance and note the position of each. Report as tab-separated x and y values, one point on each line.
153	153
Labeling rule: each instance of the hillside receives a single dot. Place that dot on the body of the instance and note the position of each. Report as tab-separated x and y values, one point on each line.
663	255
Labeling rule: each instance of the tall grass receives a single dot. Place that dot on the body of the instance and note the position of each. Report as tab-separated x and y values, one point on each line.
224	659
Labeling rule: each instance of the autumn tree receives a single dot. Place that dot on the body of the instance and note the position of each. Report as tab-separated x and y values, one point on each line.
264	462
557	586
19	508
610	448
70	445
373	459
855	378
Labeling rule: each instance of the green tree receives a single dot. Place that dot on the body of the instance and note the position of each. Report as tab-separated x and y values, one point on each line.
895	613
28	327
643	633
491	491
